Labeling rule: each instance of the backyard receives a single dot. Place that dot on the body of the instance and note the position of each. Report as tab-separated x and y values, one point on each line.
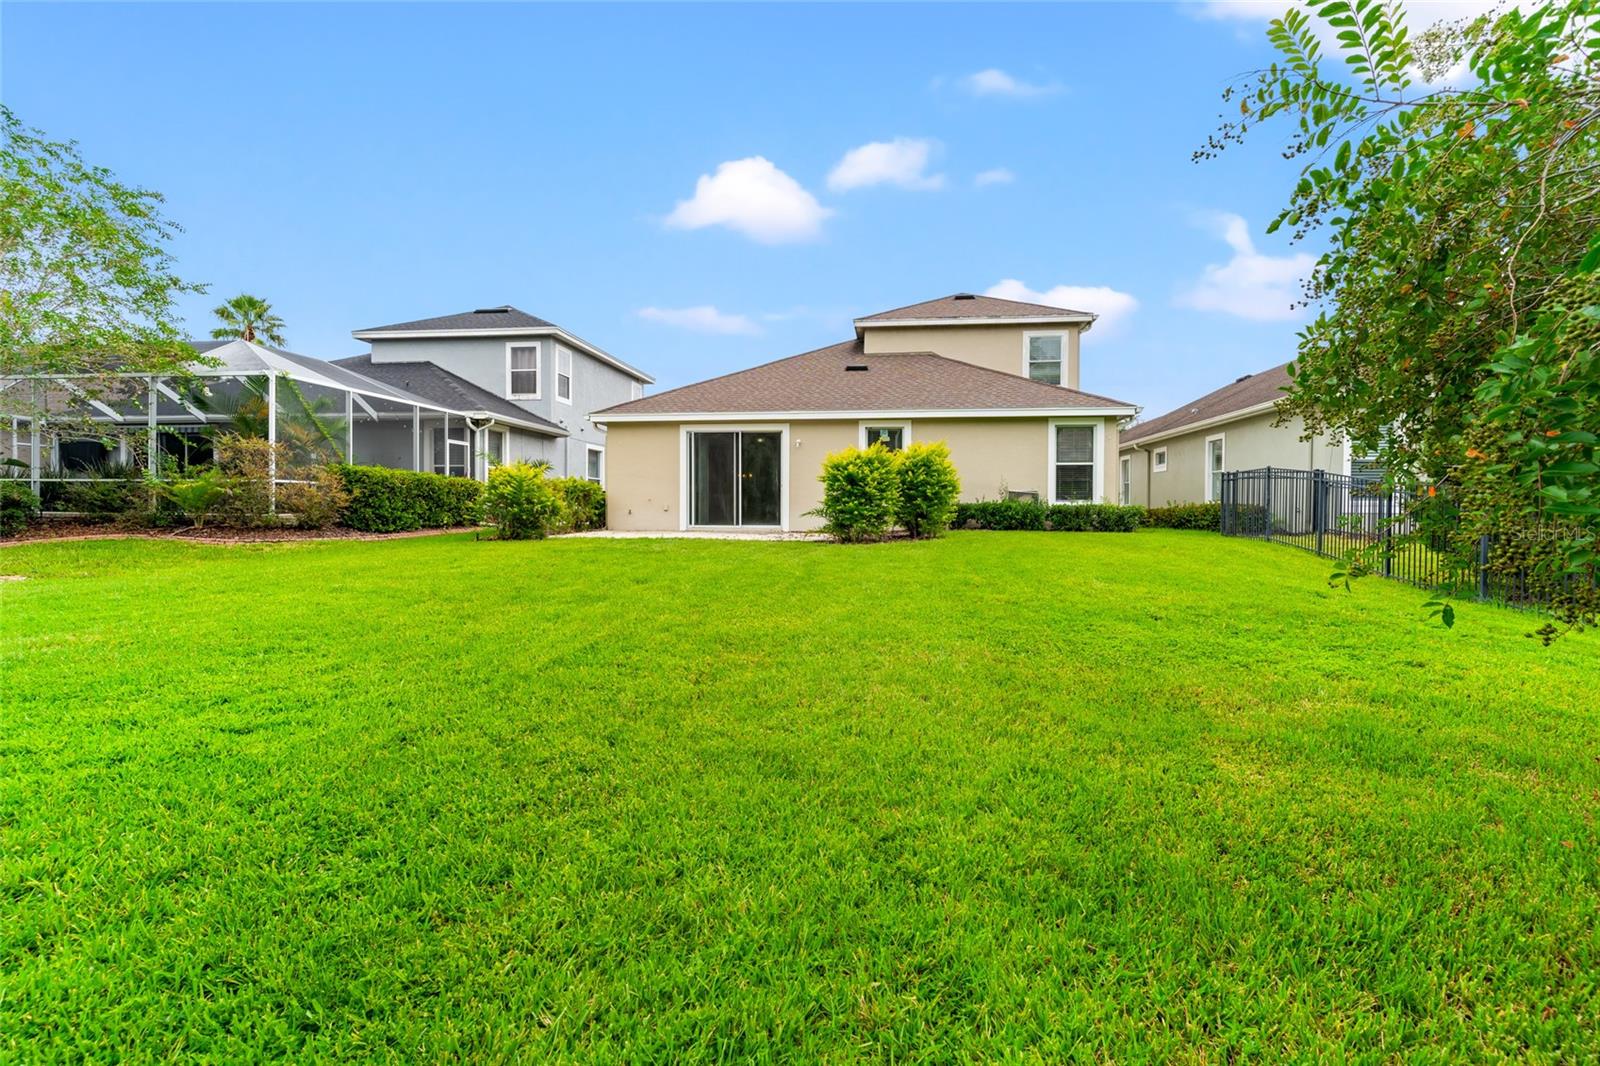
1054	796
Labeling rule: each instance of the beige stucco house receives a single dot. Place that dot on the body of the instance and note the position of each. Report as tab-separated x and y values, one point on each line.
1179	457
996	380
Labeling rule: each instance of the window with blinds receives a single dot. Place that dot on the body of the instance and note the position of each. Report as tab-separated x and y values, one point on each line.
1074	461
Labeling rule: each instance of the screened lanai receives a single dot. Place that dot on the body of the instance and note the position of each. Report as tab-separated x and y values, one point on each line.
62	430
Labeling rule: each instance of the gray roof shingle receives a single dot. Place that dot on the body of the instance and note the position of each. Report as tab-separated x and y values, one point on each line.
821	380
503	317
435	383
1249	391
966	305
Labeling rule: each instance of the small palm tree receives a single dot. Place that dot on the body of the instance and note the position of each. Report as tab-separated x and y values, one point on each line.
250	318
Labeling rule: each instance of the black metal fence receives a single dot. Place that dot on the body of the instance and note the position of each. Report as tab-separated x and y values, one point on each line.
1335	516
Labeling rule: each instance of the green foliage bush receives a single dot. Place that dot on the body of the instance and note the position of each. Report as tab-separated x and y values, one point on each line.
393	501
117	489
19	505
583	504
929	489
1186	516
521	502
860	494
196	495
1058	517
316	499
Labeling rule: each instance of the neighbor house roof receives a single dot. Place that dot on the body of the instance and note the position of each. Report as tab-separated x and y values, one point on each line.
964	307
505	320
434	382
1251	394
842	380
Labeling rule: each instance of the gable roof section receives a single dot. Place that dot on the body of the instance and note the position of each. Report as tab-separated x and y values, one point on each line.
504	320
818	384
1250	394
964	307
433	382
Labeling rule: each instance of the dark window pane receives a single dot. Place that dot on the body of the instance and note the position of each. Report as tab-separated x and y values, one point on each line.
1074	482
714	459
891	437
760	478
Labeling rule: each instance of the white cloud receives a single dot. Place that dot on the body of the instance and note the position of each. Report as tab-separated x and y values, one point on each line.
1263	288
997	176
755	198
703	318
1112	306
996	82
902	161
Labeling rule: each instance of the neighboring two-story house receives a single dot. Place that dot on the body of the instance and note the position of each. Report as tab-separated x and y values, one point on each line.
996	380
504	362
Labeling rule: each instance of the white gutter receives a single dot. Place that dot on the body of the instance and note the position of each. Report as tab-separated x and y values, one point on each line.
601	418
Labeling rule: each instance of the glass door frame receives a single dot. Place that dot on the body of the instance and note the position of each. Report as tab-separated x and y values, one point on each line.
685	472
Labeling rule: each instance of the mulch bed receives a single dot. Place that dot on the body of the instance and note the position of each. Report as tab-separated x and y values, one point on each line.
69	530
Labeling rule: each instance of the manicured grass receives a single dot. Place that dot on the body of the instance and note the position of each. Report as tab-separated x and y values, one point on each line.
1040	796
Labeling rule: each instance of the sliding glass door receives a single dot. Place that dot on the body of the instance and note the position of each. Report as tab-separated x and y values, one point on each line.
736	478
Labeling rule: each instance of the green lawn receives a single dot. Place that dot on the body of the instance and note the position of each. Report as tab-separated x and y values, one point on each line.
1038	796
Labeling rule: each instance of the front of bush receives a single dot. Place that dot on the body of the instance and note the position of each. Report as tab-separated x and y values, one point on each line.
929	489
1058	517
394	501
583	504
1186	516
19	505
521	502
860	493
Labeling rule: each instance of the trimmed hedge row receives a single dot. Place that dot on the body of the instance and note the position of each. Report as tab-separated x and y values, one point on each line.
1058	517
395	501
1207	516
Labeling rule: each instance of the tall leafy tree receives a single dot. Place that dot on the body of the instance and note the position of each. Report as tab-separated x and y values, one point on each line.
87	286
1454	178
250	318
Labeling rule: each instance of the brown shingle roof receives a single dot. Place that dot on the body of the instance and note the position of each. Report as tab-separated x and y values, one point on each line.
966	305
1251	391
893	381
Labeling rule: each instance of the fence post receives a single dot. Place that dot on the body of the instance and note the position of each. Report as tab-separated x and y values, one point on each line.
1319	518
1227	493
1386	516
1483	566
1267	502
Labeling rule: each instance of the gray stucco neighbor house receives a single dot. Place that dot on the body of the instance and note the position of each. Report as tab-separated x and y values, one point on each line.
505	360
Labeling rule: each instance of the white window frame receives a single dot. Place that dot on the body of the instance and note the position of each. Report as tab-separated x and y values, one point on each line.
883	423
1158	457
1027	344
1205	456
538	370
684	429
505	448
560	353
601	449
1099	427
1125	480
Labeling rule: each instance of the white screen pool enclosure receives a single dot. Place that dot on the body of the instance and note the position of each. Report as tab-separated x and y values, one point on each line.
58	432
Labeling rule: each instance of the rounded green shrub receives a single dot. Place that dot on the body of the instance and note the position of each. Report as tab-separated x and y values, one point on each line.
19	505
860	493
520	503
929	489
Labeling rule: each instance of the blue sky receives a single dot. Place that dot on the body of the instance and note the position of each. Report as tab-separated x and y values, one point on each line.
698	188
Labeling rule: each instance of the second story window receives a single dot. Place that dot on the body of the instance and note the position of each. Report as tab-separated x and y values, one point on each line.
563	375
1046	355
522	371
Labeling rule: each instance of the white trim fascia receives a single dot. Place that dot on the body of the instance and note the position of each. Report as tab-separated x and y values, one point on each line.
1099	472
782	429
524	331
601	418
538	371
1207	423
887	423
1079	320
1205	455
